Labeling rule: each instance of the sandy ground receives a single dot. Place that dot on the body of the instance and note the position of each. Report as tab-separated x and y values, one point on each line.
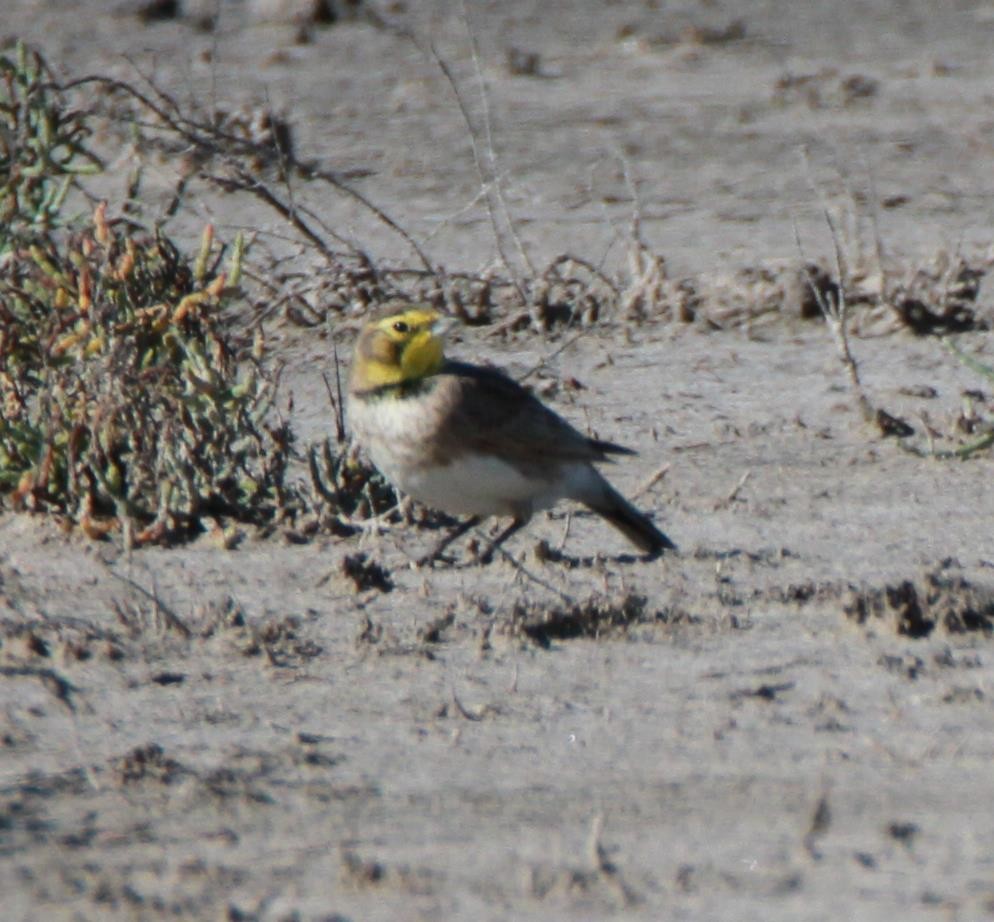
247	734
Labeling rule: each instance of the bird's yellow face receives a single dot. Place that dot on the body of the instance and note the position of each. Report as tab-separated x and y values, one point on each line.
398	349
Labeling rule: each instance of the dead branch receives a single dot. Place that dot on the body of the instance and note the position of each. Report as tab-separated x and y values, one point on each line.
209	139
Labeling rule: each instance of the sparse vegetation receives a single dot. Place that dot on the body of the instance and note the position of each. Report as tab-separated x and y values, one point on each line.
42	149
124	400
936	300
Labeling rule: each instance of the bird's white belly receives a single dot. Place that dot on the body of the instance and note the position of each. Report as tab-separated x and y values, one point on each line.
471	484
477	485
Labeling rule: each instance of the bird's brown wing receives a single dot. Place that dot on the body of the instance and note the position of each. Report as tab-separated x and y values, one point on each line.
483	410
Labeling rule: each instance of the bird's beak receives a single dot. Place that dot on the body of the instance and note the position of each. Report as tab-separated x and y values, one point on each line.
443	326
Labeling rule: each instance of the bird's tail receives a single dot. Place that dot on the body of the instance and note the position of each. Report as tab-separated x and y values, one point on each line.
635	526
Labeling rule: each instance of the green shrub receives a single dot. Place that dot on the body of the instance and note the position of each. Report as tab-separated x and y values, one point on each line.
42	148
121	392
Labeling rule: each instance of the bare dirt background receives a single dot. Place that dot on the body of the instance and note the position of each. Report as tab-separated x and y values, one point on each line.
744	750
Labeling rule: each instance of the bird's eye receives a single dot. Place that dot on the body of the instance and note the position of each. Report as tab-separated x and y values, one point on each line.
401	327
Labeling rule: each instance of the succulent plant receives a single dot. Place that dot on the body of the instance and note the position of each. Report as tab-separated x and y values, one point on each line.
123	398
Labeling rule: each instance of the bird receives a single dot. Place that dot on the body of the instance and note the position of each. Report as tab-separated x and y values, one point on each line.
470	440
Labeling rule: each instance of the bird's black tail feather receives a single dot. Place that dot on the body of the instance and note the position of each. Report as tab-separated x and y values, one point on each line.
635	526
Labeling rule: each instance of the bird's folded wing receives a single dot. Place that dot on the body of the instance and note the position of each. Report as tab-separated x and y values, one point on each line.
485	411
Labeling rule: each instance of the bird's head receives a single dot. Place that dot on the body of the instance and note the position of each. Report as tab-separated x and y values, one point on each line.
399	348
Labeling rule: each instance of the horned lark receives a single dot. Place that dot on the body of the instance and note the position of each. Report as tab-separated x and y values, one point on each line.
469	440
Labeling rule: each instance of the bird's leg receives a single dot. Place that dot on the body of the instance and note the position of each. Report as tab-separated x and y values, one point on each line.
488	554
453	535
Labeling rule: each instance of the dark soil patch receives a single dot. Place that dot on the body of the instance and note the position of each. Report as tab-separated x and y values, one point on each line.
594	617
916	608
